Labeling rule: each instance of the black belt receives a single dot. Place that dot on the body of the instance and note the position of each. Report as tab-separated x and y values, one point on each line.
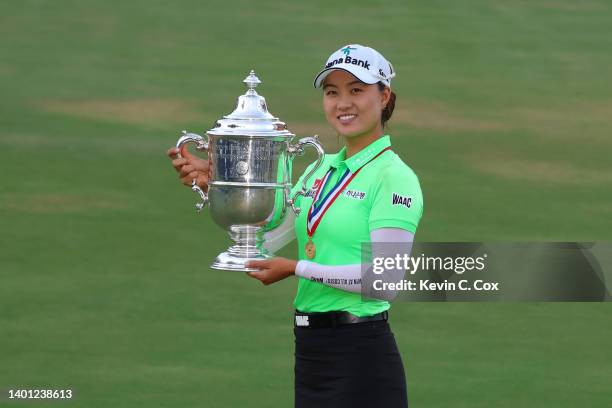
333	319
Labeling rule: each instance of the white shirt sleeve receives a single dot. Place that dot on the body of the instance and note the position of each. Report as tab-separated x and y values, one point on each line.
282	235
348	277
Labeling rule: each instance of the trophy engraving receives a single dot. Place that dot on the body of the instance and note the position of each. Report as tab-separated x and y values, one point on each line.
242	168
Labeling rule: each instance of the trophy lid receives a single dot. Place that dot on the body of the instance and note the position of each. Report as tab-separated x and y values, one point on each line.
251	116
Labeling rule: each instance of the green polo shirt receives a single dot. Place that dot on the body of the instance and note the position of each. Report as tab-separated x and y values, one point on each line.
384	194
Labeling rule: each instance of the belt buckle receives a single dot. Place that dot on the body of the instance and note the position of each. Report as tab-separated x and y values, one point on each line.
302	321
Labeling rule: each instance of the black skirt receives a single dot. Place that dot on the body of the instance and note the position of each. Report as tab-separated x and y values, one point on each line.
356	365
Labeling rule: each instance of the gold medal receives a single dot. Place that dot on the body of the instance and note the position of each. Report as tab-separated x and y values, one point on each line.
310	249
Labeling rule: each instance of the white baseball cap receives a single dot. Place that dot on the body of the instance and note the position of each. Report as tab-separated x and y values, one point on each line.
367	64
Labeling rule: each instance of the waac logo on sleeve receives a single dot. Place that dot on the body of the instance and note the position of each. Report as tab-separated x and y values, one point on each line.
401	200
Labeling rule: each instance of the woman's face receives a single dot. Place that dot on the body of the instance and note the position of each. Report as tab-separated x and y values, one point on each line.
352	107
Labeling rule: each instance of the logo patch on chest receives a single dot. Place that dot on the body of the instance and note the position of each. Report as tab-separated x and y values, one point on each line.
313	190
355	194
401	200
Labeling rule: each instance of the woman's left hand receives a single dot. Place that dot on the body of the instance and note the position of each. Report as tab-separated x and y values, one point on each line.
272	270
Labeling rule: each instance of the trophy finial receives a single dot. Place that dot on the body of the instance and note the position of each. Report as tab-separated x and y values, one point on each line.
252	81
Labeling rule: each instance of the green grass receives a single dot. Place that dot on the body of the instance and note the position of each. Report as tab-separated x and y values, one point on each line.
504	112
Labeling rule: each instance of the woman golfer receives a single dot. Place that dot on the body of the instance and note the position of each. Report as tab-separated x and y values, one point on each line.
345	352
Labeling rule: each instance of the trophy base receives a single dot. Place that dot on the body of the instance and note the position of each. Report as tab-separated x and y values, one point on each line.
231	262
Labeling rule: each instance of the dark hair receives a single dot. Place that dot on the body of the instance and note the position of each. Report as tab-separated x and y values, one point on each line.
388	111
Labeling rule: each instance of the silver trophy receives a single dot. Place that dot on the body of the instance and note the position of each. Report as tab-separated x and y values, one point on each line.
250	155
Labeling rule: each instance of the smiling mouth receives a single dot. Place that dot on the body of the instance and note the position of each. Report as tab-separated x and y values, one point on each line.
346	118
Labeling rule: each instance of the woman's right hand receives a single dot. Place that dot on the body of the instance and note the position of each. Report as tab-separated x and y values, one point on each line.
189	167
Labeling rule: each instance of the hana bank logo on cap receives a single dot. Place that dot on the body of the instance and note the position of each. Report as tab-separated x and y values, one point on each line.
367	64
347	50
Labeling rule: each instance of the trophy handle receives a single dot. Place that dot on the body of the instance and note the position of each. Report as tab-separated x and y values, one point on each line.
201	145
298	149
